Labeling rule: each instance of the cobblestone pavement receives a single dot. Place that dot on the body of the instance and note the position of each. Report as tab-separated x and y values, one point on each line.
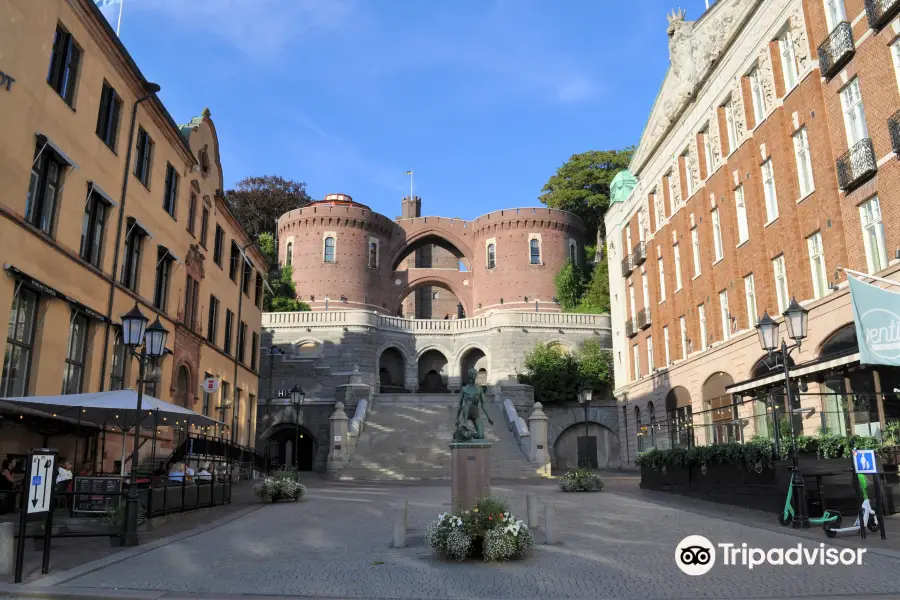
336	543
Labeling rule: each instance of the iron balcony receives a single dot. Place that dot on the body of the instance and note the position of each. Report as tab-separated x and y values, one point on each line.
856	165
894	128
630	330
643	318
639	253
627	266
837	50
880	12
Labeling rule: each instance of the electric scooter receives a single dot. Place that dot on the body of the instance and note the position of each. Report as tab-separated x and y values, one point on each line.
869	516
828	519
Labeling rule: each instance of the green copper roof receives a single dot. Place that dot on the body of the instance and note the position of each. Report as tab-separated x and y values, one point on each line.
621	186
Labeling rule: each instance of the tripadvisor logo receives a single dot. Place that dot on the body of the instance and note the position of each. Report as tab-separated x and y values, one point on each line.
882	331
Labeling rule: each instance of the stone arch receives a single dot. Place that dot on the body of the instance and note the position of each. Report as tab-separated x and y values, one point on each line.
565	445
391	369
278	445
463	361
425	278
680	417
433	369
839	341
561	345
183	385
723	415
307	347
432	235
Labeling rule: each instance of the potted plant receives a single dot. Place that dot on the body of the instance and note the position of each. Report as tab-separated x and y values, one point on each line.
116	519
581	480
890	451
280	487
488	530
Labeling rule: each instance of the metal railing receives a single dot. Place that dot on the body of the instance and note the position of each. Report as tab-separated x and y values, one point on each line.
894	128
643	318
856	165
880	12
630	329
639	253
837	50
627	266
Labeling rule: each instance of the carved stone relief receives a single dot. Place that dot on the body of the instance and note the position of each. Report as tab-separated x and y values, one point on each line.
798	37
675	185
737	105
766	77
693	162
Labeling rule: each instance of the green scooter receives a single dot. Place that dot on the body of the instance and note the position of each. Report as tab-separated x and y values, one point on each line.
829	519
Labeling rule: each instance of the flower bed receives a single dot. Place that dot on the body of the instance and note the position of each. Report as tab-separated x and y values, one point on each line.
279	487
581	480
488	530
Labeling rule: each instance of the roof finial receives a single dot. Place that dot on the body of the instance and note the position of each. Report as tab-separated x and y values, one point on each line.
206	113
676	15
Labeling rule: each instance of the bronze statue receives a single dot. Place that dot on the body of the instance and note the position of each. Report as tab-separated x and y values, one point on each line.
471	404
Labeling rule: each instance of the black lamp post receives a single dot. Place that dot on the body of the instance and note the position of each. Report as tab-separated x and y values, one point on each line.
796	319
152	341
297	397
584	398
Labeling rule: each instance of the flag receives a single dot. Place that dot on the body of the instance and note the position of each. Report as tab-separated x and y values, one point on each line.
876	315
408	173
112	10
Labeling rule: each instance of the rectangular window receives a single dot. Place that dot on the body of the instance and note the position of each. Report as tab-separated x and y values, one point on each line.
204	227
789	67
373	254
804	163
741	210
781	286
895	55
645	284
834	13
631	301
817	264
730	127
246	274
73	376
224	394
677	252
768	175
206	397
191	302
329	256
649	354
873	235
108	117
192	213
750	296
242	343
236	413
662	279
758	96
666	345
491	256
92	229
170	195
688	173
212	323
684	339
64	60
233	261
43	188
717	234
134	242
19	343
667	191
229	325
163	272
701	314
119	360
254	349
660	209
250	413
707	151
636	350
144	157
219	245
725	314
695	247
259	291
535	251
854	115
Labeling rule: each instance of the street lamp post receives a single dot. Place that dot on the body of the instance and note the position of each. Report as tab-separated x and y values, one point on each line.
297	397
152	341
796	319
584	398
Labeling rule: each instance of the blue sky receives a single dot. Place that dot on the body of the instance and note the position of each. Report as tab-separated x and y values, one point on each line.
482	99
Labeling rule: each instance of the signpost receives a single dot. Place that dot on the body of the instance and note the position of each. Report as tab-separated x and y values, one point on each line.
37	497
864	463
211	385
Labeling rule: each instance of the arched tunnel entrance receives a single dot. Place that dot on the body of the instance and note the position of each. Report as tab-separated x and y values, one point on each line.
291	445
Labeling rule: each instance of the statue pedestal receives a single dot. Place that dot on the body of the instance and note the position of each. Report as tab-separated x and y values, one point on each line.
470	473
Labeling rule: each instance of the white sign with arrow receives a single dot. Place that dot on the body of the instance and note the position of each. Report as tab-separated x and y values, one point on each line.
40	491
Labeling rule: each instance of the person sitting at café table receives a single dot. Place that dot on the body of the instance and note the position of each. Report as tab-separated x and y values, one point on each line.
204	473
176	473
85	470
188	472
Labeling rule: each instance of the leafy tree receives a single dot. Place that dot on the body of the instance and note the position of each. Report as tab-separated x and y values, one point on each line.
266	244
283	297
257	202
557	376
569	283
596	293
595	366
581	185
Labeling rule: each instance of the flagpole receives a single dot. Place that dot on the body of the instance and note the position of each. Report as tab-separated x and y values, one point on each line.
860	275
411	197
119	24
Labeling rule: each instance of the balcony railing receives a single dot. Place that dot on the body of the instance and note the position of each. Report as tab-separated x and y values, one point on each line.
880	12
856	165
627	266
630	329
639	253
643	318
894	128
837	50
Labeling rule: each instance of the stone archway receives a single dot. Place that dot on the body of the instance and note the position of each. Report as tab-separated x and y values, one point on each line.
565	447
407	282
432	368
474	358
392	371
289	444
183	395
721	424
680	417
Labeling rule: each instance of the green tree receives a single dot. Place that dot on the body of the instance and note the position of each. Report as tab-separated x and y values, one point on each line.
569	283
257	202
595	366
596	293
558	376
581	185
283	295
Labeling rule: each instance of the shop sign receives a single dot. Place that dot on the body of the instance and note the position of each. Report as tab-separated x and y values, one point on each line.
6	81
876	315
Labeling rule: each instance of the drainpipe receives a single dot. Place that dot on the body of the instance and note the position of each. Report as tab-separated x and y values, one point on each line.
151	89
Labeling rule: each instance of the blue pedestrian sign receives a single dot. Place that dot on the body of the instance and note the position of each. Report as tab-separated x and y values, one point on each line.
864	462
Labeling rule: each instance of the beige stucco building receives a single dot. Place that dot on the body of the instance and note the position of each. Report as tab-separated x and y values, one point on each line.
78	250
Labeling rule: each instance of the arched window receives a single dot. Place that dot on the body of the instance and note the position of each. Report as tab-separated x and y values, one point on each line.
535	252
573	252
289	254
373	254
652	412
491	256
329	249
638	429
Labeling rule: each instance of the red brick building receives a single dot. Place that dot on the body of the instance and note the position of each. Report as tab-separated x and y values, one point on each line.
768	165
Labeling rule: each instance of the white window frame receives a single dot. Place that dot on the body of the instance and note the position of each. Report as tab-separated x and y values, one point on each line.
636	351
725	315
668	177
660	209
373	240
854	113
790	69
740	205
804	162
666	345
325	236
895	56
661	268
487	253
628	239
834	13
695	250
642	225
770	192
707	150
750	299
677	252
536	236
289	252
701	315
688	173
573	251
717	234
873	231
782	294
645	284
730	126
817	264
631	301
649	354
684	345
757	95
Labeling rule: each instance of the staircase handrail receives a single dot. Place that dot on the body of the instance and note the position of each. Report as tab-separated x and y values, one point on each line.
359	417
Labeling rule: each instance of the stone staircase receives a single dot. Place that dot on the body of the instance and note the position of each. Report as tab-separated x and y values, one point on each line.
407	437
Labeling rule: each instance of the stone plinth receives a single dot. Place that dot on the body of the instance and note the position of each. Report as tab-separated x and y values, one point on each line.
470	473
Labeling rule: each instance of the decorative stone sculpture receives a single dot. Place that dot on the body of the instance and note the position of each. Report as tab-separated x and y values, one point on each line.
471	404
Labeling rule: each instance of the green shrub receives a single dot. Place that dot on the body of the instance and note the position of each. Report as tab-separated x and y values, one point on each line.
581	480
488	527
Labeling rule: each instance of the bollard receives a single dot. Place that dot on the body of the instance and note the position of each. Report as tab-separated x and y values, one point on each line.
532	510
550	523
7	548
400	526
